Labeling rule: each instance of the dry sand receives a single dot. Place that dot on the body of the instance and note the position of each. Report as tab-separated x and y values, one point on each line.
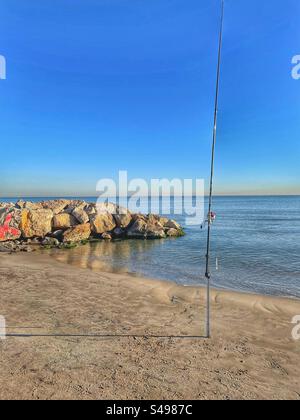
251	355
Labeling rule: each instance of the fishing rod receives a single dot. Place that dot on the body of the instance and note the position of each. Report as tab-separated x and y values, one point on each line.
210	213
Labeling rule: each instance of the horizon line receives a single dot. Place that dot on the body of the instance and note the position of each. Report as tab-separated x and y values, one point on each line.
154	196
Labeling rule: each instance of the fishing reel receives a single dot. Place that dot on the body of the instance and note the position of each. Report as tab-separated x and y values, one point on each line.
211	218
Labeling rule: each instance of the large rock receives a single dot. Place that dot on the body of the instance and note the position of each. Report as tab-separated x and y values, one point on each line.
90	209
57	206
171	224
64	221
20	204
155	230
172	232
153	227
80	214
138	229
29	205
77	233
10	219
162	220
36	223
103	208
73	204
123	217
103	222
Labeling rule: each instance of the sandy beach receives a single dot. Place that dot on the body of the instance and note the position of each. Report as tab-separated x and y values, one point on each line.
251	354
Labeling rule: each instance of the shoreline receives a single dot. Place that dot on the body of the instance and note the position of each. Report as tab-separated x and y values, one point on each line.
145	277
46	252
234	296
251	354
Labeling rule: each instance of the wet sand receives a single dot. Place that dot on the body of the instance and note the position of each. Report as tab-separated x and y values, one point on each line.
251	354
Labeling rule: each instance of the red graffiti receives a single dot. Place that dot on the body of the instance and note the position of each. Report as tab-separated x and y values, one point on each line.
6	230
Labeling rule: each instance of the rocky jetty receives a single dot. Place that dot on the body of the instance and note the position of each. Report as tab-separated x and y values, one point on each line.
66	223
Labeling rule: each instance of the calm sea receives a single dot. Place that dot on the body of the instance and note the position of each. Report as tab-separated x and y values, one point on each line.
255	248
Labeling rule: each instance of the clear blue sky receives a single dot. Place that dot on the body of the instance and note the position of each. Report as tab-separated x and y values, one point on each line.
98	86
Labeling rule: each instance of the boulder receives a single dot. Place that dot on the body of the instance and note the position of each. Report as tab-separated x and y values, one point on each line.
29	205
171	224
155	234
80	214
138	229
10	219
152	218
77	233
57	206
155	230
90	209
20	204
123	217
156	218
150	227
63	221
36	223
101	223
103	208
139	216
172	232
163	220
73	204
